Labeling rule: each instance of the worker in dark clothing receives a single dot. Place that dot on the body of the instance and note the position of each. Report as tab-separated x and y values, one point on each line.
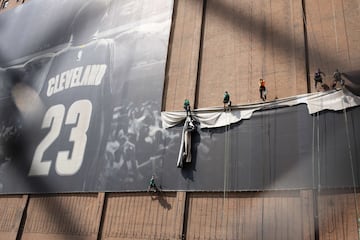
262	89
318	77
226	101
337	78
152	185
187	106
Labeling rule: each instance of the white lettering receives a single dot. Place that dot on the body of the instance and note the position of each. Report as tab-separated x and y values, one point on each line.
100	74
56	84
89	77
76	77
85	77
62	81
68	78
50	89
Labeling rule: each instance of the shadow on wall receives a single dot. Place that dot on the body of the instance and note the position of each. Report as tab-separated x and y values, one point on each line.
352	81
161	197
239	18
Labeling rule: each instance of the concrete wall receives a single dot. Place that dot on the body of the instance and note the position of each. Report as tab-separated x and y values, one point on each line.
115	216
63	216
338	214
236	43
11	212
183	56
143	216
275	215
248	40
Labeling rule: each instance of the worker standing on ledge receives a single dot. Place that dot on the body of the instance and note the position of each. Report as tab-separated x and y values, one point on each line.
187	106
262	89
226	100
337	78
318	77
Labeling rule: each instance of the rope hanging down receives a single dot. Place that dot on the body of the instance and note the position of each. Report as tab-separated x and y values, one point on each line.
226	167
320	62
352	170
226	152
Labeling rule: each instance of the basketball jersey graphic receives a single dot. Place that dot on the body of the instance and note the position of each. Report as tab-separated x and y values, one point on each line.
78	111
80	97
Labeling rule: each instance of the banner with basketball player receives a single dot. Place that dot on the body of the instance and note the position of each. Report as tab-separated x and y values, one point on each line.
81	85
80	93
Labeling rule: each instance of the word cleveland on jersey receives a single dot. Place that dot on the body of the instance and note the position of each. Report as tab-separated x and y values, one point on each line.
90	75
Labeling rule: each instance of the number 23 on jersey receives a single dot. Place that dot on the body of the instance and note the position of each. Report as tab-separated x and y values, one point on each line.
67	162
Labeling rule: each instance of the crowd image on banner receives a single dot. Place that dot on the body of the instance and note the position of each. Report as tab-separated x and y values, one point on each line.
136	145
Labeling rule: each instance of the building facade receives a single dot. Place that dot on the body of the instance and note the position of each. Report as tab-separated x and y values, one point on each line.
217	46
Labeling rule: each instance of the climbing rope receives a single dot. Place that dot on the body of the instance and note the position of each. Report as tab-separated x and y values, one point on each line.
335	28
226	152
318	150
250	67
323	39
316	140
273	55
346	33
226	166
352	169
308	25
313	152
314	194
264	46
316	131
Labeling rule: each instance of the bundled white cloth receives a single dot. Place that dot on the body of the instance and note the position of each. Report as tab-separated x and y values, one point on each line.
185	147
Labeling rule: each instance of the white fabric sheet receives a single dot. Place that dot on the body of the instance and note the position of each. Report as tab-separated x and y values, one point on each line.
216	117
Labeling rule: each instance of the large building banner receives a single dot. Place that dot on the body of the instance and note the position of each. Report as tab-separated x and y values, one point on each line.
81	85
80	93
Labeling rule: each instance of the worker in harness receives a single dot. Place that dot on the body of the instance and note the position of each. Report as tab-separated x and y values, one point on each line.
318	77
337	78
262	89
226	100
187	106
152	186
